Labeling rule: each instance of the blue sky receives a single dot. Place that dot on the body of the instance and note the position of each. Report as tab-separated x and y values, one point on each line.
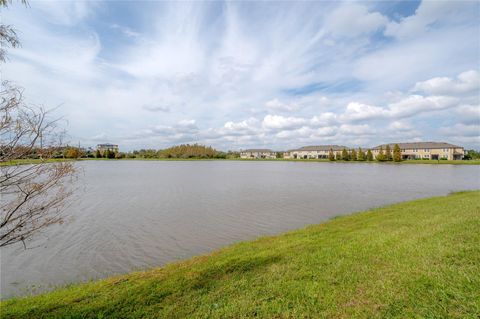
252	74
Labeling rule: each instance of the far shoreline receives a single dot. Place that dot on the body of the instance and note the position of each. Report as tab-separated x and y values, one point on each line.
431	162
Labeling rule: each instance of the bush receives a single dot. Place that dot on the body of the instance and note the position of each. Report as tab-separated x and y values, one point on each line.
381	156
72	152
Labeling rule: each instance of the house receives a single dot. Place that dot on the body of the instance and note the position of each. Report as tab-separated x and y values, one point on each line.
258	153
102	148
425	150
314	152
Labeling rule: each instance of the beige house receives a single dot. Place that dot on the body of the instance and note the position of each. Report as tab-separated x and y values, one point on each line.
314	152
425	150
104	147
258	153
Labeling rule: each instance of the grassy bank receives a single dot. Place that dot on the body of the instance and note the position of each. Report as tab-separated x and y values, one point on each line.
414	259
33	161
458	162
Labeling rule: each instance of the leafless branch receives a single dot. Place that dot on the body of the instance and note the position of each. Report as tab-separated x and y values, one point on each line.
32	196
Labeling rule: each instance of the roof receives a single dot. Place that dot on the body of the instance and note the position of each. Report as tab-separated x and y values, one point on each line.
107	145
258	150
420	145
321	148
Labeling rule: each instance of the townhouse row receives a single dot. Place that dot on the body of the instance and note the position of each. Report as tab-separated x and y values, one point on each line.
416	150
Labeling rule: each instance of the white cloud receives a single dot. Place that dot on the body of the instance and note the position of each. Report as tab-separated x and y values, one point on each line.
277	122
353	19
246	125
466	82
464	134
125	30
416	104
324	119
468	114
431	14
67	13
471	130
400	126
277	105
363	129
156	108
100	137
358	111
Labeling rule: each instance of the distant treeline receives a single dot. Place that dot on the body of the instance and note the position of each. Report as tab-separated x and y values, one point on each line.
183	151
199	151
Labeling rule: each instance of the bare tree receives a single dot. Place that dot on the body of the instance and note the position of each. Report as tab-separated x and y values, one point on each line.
31	196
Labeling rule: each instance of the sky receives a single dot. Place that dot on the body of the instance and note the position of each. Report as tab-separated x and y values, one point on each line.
239	75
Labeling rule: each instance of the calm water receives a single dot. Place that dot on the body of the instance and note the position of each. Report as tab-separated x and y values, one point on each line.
131	215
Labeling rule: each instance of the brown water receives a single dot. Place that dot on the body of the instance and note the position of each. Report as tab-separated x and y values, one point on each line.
131	215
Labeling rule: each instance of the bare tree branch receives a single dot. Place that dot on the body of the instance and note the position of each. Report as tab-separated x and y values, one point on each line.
32	196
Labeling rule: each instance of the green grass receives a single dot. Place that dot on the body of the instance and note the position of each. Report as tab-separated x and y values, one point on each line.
418	259
33	161
457	162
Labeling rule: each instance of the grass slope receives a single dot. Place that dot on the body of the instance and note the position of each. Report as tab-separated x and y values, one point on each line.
414	259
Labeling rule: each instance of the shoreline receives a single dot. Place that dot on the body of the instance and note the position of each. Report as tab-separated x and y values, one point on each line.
431	162
401	240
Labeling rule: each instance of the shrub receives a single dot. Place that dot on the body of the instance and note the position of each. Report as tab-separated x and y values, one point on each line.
381	156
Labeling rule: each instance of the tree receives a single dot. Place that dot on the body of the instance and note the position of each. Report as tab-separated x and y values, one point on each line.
381	155
345	155
361	154
98	154
471	154
187	151
72	152
397	154
109	154
369	156
8	35
32	196
353	155
388	153
331	156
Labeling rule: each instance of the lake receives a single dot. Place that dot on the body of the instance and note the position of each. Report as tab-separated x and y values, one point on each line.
133	215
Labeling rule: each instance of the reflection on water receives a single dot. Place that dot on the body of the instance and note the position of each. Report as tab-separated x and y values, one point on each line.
132	215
